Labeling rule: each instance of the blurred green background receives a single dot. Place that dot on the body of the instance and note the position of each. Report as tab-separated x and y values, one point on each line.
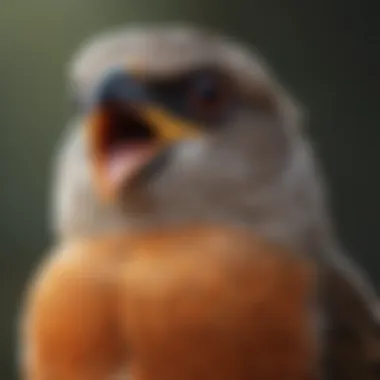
326	51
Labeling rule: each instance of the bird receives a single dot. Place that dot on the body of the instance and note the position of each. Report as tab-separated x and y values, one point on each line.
177	124
139	306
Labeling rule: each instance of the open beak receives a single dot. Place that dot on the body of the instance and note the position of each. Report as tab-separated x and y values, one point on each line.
127	132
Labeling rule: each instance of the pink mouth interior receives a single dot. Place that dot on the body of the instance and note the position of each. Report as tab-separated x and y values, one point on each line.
127	160
125	142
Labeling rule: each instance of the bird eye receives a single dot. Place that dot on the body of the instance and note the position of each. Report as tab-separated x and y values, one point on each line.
208	96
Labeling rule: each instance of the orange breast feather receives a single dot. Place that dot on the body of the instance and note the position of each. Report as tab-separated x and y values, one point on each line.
191	303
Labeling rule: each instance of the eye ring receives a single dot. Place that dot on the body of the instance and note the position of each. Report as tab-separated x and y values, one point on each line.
209	95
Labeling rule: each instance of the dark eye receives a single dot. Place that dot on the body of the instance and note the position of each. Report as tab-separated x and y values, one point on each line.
209	96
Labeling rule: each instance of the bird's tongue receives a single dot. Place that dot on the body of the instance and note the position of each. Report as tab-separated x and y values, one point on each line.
126	161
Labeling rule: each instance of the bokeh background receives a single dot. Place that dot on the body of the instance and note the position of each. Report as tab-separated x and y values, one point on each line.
326	51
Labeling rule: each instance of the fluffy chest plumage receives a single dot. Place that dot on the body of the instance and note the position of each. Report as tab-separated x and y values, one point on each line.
202	312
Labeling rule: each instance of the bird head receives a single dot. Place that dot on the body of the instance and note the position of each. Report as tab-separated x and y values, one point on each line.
192	121
181	94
